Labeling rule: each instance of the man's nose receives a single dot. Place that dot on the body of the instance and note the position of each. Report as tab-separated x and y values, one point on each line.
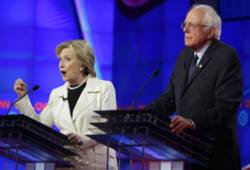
186	29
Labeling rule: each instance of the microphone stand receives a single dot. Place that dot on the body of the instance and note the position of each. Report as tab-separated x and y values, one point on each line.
154	74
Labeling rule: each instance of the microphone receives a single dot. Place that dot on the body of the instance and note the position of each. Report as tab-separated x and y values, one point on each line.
34	88
154	74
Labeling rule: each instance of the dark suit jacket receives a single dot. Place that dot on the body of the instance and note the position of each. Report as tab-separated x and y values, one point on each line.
210	99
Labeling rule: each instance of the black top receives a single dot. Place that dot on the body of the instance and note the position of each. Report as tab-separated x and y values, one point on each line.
73	96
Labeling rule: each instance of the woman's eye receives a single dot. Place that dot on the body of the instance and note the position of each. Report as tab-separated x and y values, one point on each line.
67	58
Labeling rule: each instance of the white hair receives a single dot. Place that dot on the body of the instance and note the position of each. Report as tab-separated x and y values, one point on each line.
211	19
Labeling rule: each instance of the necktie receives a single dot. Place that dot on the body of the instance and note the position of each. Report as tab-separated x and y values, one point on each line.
192	66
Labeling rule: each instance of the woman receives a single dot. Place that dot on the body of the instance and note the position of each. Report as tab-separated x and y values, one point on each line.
70	106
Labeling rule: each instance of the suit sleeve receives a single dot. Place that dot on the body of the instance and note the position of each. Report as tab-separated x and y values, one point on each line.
46	117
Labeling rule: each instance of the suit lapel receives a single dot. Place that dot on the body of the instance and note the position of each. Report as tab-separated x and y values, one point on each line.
200	66
63	108
184	73
204	61
187	63
85	99
63	92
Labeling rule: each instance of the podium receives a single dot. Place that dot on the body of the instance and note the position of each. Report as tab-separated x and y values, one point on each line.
28	142
145	136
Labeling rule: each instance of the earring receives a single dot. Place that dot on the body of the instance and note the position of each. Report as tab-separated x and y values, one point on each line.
81	69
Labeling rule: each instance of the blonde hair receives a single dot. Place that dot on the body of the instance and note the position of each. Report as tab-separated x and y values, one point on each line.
211	18
84	53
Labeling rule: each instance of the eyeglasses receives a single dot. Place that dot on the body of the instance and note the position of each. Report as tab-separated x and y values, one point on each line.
192	25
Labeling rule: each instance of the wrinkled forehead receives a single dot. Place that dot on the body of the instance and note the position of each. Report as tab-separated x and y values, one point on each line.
196	16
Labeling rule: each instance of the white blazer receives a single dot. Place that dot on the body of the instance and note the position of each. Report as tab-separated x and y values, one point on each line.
97	95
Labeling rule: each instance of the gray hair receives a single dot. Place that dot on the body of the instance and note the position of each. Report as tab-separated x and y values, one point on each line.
84	53
211	19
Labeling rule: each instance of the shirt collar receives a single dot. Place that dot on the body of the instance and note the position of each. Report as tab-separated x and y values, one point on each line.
201	52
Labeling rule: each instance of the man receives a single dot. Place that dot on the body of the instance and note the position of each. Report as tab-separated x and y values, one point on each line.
205	88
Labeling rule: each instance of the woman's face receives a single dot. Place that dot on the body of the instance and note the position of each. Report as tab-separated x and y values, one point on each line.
70	67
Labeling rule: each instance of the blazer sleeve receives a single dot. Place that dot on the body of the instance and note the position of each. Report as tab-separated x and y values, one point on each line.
46	117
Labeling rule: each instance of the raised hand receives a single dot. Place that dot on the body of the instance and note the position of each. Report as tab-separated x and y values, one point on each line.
20	87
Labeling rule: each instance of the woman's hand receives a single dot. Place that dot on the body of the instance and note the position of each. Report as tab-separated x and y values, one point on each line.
75	139
20	87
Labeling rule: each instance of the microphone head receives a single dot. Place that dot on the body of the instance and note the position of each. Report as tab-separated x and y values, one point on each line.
36	87
156	72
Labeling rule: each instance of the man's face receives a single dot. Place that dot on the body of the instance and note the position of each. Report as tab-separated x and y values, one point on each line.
196	32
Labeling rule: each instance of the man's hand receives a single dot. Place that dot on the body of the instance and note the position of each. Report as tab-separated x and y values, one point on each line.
179	124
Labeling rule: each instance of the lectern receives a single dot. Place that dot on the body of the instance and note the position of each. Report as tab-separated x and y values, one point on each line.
145	136
29	142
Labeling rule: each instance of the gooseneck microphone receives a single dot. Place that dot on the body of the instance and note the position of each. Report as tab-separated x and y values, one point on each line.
154	74
34	88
